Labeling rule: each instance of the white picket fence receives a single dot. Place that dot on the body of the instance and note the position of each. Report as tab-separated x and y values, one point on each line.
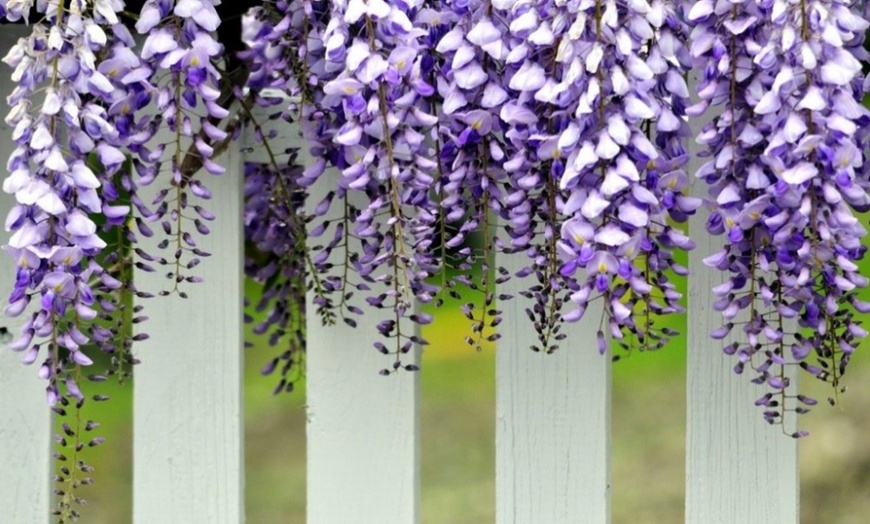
552	416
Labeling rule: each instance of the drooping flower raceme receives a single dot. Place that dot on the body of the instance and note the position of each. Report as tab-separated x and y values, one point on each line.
539	70
380	99
66	156
274	200
614	144
179	58
737	173
125	133
277	264
786	170
470	152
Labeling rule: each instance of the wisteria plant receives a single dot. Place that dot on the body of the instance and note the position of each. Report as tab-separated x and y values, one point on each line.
440	133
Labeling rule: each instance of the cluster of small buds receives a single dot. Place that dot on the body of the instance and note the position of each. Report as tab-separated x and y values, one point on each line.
786	171
272	205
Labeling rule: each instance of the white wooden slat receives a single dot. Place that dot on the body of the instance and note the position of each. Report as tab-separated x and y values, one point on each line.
188	419
25	419
738	467
552	421
363	429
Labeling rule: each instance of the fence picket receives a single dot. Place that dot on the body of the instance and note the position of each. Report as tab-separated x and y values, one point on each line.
25	419
363	429
738	468
552	422
188	423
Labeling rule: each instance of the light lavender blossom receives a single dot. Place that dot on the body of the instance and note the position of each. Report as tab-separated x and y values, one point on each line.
786	171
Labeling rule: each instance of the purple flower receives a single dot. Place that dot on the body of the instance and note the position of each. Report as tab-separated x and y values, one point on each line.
181	48
784	159
615	183
58	111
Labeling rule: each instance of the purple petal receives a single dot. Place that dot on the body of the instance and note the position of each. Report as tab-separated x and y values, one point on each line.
483	33
530	77
800	173
611	235
470	76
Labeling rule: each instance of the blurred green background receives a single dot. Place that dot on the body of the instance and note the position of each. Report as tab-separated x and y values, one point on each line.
458	414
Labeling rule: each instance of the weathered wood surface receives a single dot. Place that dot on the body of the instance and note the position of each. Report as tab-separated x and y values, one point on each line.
188	420
552	421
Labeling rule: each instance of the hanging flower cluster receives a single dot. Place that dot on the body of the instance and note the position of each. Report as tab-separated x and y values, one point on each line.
378	142
439	122
274	200
617	150
277	262
69	149
470	151
787	171
84	146
556	130
178	63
